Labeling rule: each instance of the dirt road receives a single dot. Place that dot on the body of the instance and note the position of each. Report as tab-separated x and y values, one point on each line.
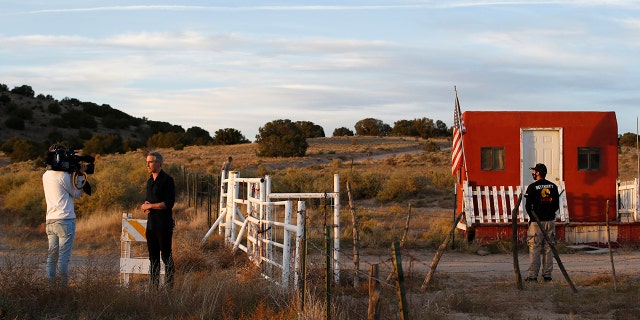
579	264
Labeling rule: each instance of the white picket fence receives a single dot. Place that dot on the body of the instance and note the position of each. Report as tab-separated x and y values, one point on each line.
494	204
262	224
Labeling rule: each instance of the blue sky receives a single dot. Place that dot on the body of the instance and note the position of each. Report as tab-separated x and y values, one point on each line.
241	64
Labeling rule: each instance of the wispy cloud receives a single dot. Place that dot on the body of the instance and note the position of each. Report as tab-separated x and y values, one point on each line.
427	4
242	66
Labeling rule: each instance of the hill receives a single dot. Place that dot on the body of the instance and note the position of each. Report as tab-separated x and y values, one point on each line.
41	120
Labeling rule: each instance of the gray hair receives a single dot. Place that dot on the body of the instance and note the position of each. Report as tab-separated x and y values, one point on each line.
157	155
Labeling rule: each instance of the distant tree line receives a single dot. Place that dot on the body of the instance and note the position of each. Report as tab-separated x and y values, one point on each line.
278	138
628	140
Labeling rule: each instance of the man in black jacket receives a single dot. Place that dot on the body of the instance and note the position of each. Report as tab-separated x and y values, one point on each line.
542	198
158	204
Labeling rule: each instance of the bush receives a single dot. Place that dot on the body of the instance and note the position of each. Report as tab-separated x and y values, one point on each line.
229	136
23	113
24	195
281	138
401	186
165	139
431	146
365	185
372	127
24	90
310	129
54	108
103	144
342	132
293	180
14	122
118	183
24	150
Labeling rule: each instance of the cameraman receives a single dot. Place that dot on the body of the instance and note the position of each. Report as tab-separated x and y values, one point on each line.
60	188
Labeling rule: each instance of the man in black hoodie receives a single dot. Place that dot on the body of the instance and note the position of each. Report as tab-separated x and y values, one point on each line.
542	198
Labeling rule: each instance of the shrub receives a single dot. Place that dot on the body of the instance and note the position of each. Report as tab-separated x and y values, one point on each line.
14	122
24	90
281	138
24	195
165	139
431	146
24	150
372	127
117	183
365	185
342	132
402	185
310	129
54	108
23	113
103	144
293	180
628	139
229	136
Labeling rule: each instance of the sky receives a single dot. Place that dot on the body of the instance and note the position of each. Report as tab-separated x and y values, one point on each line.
241	64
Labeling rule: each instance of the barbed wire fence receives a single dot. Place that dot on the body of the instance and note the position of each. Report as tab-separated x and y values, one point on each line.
375	271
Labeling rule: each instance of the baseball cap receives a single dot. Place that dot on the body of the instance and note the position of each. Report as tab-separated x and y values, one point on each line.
540	167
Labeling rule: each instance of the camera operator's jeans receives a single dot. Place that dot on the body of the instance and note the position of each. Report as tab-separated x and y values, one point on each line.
60	234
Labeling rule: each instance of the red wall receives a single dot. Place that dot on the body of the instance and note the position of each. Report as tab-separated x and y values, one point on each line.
587	191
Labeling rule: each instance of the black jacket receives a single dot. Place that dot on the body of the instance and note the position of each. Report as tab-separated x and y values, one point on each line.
543	198
162	189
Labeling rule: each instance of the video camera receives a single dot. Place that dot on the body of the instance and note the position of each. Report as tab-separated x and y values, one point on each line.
61	158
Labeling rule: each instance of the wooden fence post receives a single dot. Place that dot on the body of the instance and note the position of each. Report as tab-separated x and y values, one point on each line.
439	253
356	240
613	268
397	263
327	241
373	312
514	243
404	235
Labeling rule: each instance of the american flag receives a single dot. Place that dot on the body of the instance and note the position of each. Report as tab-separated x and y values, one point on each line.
457	154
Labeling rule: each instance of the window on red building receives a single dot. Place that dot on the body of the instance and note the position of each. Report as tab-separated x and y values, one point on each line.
589	158
492	158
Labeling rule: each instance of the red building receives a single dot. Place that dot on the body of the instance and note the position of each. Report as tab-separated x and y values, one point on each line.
580	150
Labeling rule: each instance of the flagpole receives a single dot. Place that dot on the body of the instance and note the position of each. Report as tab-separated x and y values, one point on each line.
464	158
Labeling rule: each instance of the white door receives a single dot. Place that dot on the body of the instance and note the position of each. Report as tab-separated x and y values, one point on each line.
541	146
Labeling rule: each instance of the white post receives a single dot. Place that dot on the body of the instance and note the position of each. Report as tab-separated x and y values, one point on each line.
232	194
224	189
336	228
286	244
302	212
125	247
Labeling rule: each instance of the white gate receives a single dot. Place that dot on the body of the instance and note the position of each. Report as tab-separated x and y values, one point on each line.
253	222
628	201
